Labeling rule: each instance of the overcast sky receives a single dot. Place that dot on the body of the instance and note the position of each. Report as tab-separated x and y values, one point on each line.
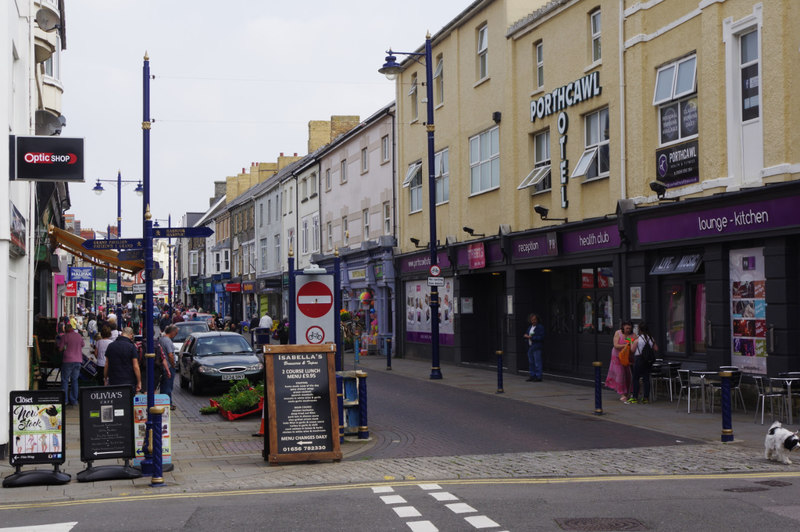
235	82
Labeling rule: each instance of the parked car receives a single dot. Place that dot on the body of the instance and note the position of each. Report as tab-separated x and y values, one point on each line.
217	357
185	328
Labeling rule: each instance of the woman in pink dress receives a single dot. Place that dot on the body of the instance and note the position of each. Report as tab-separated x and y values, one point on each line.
619	376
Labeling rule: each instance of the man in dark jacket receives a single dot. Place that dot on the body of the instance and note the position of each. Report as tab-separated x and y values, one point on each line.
122	361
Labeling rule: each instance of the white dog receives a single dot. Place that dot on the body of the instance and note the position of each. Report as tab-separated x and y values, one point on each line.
779	443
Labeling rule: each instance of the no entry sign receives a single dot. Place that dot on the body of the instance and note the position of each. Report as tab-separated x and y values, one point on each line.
314	305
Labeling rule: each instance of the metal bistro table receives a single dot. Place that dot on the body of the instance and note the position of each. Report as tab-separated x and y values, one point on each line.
787	383
703	382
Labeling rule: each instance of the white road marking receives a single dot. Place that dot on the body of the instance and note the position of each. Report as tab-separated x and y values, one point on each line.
392	499
461	508
428	487
444	496
406	511
480	521
382	489
54	527
422	526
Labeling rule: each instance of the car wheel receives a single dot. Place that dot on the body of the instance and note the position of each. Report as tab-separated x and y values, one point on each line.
184	382
195	385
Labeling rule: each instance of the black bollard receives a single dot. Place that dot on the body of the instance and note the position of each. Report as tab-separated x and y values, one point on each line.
725	400
499	371
156	449
388	354
598	389
363	428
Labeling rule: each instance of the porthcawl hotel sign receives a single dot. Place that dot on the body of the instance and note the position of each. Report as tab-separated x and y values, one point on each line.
558	101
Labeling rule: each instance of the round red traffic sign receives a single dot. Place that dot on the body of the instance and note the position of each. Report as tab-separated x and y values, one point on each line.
314	299
315	335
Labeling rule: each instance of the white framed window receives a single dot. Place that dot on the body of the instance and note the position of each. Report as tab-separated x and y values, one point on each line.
343	171
365	224
413	182
675	96
269	210
327	179
52	65
304	189
329	235
251	267
594	163
304	240
364	160
315	233
539	55
483	52
226	260
193	263
261	214
438	81
290	238
540	175
749	74
595	28
264	251
413	98
441	172
312	185
237	267
345	232
484	161
217	262
387	218
277	240
385	149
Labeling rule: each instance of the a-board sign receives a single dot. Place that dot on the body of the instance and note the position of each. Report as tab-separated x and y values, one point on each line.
37	427
140	420
301	410
106	422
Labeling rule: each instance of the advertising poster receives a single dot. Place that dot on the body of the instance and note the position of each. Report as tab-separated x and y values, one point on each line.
748	310
106	422
139	429
418	312
37	427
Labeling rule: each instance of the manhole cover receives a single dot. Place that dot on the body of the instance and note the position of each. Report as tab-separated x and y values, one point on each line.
600	523
775	483
746	489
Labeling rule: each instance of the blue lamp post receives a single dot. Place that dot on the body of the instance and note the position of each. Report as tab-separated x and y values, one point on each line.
391	69
98	189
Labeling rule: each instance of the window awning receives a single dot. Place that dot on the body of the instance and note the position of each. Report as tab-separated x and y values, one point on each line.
104	258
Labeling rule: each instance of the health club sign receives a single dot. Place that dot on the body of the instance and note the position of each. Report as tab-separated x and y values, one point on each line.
314	304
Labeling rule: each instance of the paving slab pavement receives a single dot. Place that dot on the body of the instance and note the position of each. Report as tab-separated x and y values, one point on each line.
215	455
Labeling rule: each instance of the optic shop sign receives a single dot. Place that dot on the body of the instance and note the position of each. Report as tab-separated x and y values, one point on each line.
315	316
558	101
47	159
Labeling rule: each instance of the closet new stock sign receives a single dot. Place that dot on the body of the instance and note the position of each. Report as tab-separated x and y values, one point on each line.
47	158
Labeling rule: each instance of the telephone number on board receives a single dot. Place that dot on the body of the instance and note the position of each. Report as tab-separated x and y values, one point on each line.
306	448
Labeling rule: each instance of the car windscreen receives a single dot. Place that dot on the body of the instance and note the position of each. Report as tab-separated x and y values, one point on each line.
222	344
188	328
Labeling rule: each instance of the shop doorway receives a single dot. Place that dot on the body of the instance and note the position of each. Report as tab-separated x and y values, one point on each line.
684	319
481	331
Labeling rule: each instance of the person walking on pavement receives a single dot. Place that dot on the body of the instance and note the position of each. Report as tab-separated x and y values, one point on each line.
122	361
100	353
535	338
71	342
619	376
641	367
168	349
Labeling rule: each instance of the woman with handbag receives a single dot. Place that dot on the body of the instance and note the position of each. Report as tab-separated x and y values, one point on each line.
619	372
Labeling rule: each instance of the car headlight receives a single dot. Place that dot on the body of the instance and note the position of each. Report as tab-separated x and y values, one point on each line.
255	367
207	370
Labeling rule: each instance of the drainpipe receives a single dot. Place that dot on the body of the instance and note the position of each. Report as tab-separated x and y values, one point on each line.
622	126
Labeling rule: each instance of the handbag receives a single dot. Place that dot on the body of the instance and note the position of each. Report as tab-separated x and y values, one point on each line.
625	355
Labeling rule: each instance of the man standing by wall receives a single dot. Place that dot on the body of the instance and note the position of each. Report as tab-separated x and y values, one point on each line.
71	342
168	375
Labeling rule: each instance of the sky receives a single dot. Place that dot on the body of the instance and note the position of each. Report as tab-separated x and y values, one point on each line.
235	82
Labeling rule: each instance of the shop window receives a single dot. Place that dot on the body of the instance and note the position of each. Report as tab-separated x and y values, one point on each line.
586	313
605	314
685	317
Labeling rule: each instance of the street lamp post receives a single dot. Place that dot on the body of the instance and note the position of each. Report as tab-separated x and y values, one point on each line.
98	189
391	69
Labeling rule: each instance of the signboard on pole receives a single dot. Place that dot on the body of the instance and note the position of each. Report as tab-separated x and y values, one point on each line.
106	423
315	323
182	232
114	243
300	404
80	274
72	289
48	158
140	418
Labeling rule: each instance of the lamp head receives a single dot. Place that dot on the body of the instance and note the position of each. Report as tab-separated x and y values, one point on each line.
541	211
139	188
658	188
414	241
98	188
391	68
470	231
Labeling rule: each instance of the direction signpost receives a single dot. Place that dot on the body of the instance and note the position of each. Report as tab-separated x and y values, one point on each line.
114	243
182	232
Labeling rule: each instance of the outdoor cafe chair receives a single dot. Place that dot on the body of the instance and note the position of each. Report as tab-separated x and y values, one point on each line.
688	384
765	392
736	388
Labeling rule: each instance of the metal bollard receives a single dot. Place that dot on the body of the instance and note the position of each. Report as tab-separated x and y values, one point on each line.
339	404
725	400
598	389
356	350
363	428
499	371
157	480
388	354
